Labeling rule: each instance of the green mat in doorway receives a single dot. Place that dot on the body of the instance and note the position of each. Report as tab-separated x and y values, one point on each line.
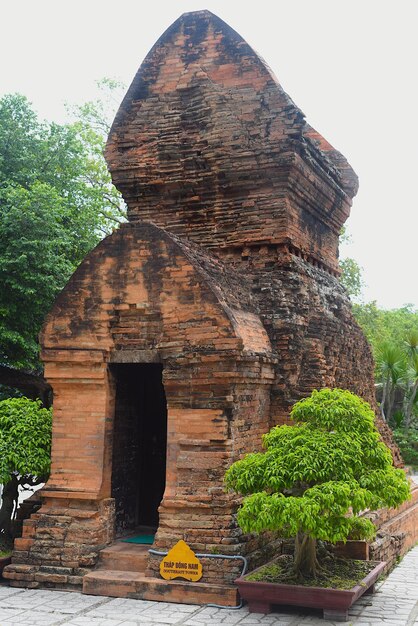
147	539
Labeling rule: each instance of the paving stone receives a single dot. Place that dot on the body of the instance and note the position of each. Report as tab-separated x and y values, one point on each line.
87	620
47	601
218	616
266	620
33	618
7	613
123	606
49	608
5	592
153	611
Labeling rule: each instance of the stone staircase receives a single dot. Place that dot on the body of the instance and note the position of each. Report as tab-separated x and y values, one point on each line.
121	567
125	557
121	573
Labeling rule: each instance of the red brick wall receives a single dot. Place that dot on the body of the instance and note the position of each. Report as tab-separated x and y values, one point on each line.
208	145
143	296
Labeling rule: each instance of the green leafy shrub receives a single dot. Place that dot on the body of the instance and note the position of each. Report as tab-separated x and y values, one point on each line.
25	438
25	451
315	477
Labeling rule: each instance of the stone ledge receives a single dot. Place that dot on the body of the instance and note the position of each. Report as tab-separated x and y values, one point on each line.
36	577
123	584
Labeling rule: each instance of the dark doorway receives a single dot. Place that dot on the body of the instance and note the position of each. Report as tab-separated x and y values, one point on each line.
139	445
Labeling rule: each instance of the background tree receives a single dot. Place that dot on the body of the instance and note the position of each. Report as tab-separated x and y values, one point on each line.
411	376
386	325
56	203
397	374
393	336
315	477
92	121
351	272
391	374
351	277
25	448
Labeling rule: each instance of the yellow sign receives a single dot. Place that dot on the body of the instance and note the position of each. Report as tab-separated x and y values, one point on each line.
181	562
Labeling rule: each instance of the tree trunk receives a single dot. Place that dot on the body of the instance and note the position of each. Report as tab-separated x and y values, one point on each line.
410	404
10	498
305	560
383	401
391	402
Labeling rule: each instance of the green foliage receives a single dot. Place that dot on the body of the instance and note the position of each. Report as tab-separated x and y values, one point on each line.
316	476
25	438
92	122
390	361
397	372
393	336
386	326
56	203
351	277
4	553
407	440
36	259
390	372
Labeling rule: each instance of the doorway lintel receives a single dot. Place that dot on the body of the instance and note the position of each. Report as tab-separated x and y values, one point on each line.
135	356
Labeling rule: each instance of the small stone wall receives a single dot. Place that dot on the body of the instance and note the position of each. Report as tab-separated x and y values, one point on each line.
61	543
397	530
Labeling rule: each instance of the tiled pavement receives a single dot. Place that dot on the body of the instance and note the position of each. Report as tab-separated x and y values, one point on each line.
395	603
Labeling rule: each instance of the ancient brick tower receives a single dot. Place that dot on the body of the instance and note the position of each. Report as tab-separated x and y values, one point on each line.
192	329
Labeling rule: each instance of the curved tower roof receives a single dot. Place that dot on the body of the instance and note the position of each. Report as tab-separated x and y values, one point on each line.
207	144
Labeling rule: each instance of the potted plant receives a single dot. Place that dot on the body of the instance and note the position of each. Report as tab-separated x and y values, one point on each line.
311	483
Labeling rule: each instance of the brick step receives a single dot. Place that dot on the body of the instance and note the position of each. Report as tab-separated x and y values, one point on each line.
124	557
125	584
114	583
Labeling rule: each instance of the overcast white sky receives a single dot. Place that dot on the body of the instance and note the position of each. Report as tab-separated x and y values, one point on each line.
350	65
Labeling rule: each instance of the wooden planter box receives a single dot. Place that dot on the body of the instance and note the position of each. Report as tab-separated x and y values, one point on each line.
334	602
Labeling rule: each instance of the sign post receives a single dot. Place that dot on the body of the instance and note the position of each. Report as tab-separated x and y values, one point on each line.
181	562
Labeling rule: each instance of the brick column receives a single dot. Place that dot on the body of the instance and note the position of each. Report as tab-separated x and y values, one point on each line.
76	519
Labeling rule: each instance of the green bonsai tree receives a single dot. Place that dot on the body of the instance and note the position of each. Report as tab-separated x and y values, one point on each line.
25	453
316	476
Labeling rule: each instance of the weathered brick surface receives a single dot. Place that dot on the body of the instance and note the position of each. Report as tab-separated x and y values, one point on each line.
397	530
207	139
226	275
236	169
149	293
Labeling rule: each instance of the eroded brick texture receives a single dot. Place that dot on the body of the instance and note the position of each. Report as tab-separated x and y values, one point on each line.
226	275
143	295
208	145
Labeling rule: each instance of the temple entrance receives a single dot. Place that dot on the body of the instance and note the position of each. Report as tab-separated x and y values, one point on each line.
139	445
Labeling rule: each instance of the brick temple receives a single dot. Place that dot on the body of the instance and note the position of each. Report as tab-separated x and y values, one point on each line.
193	328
